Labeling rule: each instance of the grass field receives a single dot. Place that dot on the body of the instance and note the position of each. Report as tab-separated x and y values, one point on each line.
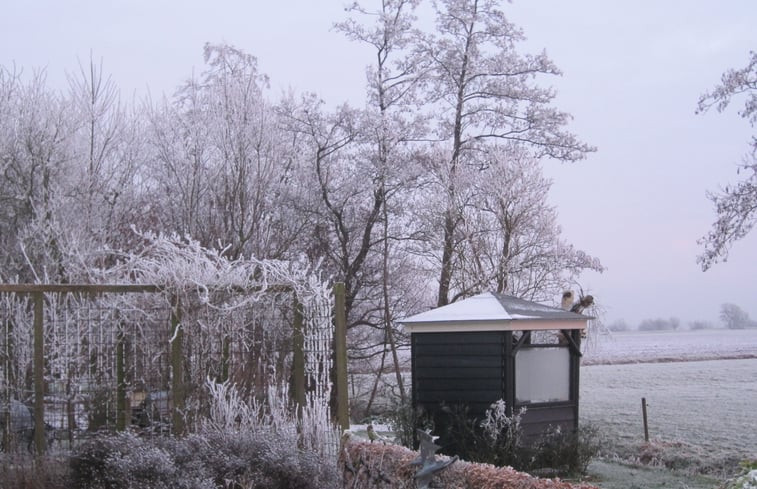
702	413
667	346
711	404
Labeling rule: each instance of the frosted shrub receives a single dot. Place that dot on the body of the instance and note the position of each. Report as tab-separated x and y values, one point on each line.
502	435
566	451
499	427
215	459
125	461
404	419
498	439
148	467
266	444
19	471
747	479
495	440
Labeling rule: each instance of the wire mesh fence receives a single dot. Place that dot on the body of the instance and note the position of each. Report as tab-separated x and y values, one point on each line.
81	359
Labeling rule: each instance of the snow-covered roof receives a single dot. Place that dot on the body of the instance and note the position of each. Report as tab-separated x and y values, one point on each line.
492	311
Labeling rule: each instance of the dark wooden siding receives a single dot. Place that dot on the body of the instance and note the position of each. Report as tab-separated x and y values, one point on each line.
457	368
473	369
539	419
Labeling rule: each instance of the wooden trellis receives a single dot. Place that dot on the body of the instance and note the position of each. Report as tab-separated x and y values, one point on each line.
131	352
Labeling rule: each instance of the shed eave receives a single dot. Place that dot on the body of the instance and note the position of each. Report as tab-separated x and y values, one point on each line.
536	324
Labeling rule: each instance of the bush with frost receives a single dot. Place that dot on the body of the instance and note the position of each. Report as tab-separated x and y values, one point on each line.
256	444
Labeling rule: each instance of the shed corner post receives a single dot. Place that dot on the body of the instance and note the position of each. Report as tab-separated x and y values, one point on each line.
508	374
575	374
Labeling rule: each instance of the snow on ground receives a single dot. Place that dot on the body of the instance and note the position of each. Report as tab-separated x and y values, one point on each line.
700	388
669	346
710	404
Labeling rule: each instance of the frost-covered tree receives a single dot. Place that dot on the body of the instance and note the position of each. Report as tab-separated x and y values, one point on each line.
69	179
618	325
734	317
343	204
107	152
482	90
35	165
435	180
13	209
392	82
510	235
221	165
735	205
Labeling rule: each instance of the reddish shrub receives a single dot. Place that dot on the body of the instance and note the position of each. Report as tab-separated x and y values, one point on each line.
374	465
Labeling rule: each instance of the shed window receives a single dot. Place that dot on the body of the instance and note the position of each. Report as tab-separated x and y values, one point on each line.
542	375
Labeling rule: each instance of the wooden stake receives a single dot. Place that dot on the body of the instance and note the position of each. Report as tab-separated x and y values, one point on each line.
121	414
644	414
39	373
340	357
177	370
298	360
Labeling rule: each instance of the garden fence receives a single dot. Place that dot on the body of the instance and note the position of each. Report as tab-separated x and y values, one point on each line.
75	359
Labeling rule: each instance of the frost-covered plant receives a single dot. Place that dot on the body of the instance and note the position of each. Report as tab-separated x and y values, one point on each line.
311	430
19	471
498	426
214	459
405	419
228	410
747	479
502	434
566	451
263	443
230	310
495	440
147	467
498	439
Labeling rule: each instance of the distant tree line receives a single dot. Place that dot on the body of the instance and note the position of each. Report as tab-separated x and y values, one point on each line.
731	315
659	324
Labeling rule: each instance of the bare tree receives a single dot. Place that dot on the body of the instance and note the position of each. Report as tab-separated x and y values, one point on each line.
35	164
69	168
392	83
511	238
107	153
222	166
735	317
483	90
347	200
736	206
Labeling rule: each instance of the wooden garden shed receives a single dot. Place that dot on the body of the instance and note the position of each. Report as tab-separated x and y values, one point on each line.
493	346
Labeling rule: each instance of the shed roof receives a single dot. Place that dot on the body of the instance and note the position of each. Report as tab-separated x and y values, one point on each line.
492	311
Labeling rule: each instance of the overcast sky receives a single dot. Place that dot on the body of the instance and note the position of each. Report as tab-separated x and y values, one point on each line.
633	72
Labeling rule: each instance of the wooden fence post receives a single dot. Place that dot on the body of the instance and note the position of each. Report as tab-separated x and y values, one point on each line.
298	362
340	357
225	358
120	378
39	373
10	362
644	415
178	393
